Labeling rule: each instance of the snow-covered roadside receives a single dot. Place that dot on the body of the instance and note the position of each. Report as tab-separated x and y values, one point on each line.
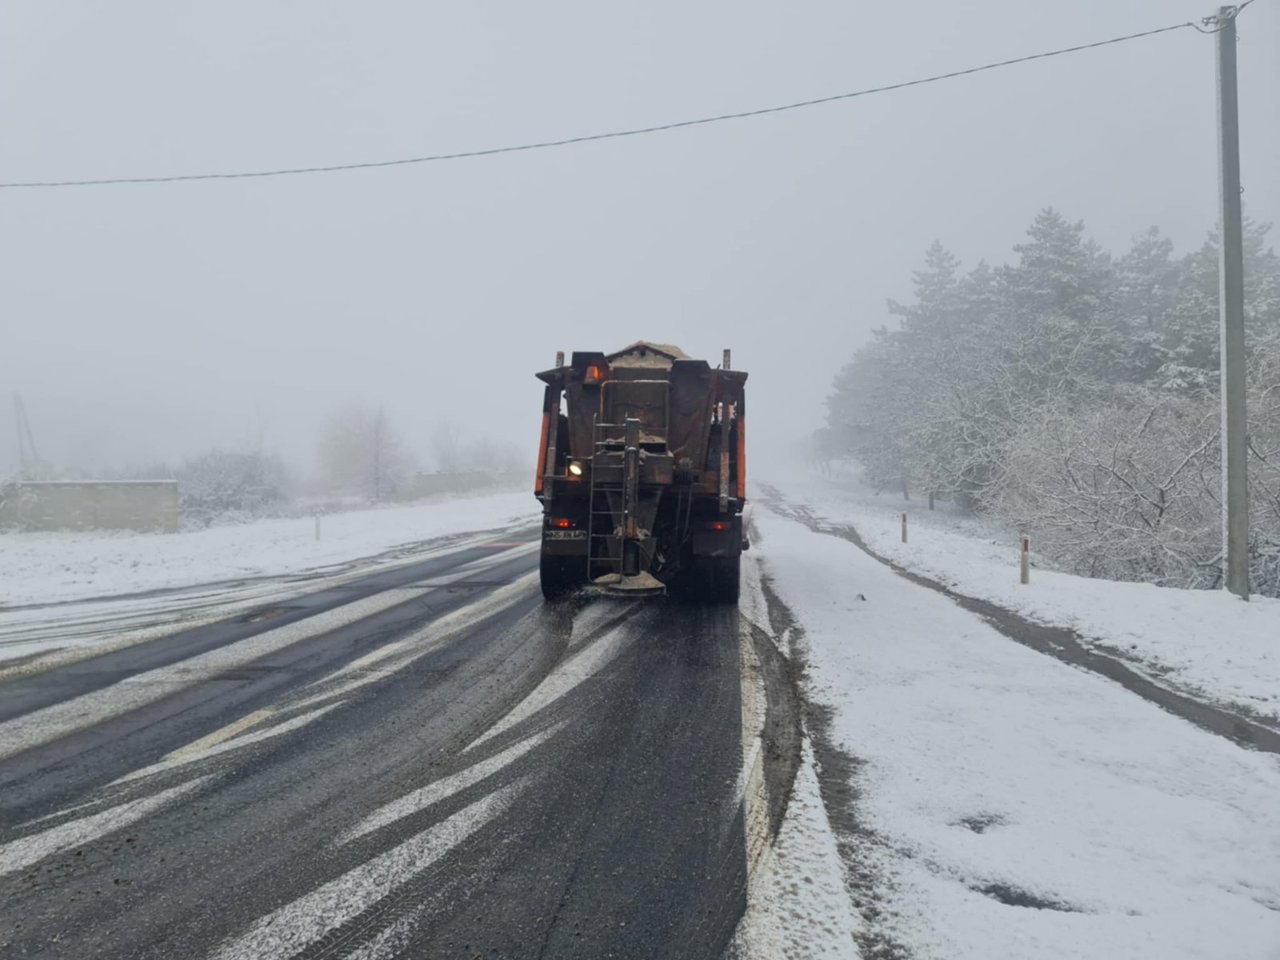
56	567
1207	643
797	905
1019	807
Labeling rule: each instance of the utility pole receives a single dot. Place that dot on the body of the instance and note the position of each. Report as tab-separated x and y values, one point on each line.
28	458
1235	477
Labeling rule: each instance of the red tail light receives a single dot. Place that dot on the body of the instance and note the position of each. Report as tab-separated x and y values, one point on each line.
719	525
563	523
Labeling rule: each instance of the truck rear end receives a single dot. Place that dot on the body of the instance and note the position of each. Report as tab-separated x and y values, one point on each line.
642	474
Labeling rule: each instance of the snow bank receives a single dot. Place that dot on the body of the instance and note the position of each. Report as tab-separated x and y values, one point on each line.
52	567
1015	806
797	905
1205	642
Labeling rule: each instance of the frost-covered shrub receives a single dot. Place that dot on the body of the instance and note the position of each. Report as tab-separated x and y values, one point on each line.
1264	466
1125	489
228	487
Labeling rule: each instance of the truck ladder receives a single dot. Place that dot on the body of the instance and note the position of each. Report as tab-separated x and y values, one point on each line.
607	443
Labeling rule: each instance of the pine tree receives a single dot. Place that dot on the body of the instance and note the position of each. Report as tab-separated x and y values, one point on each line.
1074	395
1190	347
1147	282
1058	330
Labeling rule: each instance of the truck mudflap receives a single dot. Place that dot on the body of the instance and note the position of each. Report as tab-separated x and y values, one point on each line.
722	537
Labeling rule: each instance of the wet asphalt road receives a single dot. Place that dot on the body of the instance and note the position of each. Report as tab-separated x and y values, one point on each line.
427	762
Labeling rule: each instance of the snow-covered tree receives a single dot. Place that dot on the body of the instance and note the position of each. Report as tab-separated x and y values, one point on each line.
446	448
360	453
1190	347
1075	395
1264	464
225	486
1147	287
1124	488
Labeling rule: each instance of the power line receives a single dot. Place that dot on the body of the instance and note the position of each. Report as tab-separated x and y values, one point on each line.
1216	24
610	135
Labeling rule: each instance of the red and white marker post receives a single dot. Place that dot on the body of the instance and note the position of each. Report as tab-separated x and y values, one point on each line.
1026	559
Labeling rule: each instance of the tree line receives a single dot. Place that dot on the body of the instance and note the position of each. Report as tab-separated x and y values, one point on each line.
1074	393
361	456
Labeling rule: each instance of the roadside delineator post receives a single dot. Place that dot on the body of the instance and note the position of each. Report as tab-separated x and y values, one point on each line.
1026	560
317	526
904	528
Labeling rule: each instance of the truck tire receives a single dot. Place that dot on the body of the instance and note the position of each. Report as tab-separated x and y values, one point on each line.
725	580
560	576
713	580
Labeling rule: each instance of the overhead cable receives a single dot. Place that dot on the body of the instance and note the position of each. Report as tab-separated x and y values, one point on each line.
592	137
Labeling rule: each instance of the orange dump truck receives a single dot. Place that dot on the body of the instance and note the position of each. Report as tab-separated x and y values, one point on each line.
642	474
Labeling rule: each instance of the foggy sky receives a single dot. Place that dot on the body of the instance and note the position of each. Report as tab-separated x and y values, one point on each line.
148	323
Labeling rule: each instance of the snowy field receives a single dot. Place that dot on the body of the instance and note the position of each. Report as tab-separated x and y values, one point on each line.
66	596
56	567
1207	643
1007	804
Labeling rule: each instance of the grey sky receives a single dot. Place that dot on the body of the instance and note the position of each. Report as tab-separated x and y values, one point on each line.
149	323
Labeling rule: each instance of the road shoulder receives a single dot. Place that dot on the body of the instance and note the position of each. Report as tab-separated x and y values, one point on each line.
990	801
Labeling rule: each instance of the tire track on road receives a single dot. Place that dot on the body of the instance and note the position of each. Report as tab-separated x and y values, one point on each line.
445	789
133	721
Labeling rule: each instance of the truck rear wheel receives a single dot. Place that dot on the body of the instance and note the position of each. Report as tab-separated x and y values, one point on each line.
714	580
560	576
726	580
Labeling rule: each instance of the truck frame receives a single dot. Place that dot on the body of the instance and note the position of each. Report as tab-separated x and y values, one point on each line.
642	474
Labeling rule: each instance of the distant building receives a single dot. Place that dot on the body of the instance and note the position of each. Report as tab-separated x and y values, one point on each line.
146	506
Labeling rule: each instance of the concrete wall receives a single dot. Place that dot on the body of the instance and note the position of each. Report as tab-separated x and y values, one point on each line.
149	506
